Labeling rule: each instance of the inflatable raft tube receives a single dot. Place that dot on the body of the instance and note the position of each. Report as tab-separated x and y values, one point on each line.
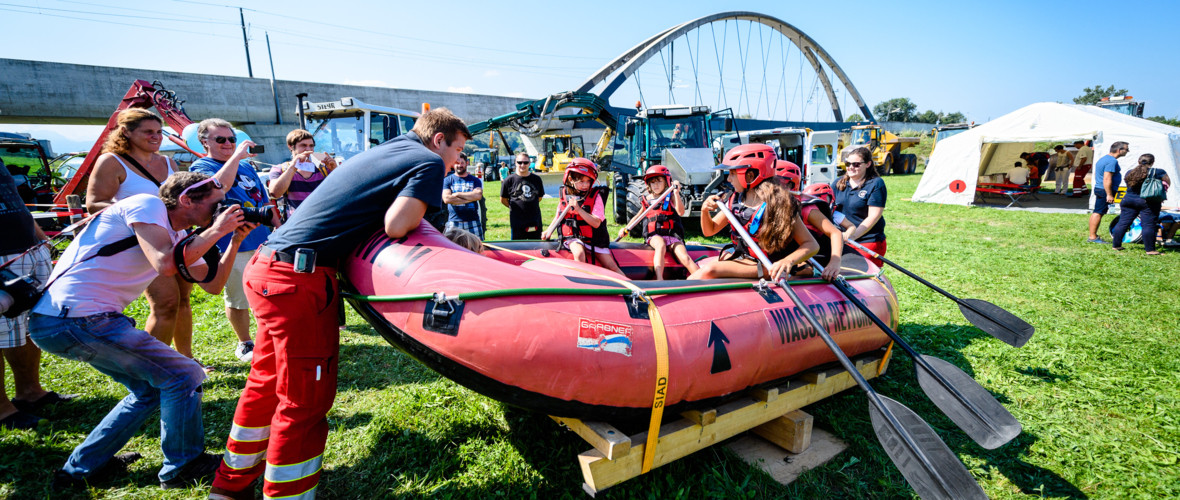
561	341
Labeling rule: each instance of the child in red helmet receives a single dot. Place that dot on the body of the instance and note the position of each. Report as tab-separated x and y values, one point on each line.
789	173
662	227
583	230
817	216
767	210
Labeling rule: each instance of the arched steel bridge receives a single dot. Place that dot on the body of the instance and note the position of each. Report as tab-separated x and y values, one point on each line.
614	73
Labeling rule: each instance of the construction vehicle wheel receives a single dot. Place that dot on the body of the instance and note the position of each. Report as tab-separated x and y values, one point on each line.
636	190
886	168
489	174
619	180
909	163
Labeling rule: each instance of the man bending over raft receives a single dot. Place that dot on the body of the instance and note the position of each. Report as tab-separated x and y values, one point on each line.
280	427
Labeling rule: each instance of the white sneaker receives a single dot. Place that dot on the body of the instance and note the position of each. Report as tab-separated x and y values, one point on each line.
245	351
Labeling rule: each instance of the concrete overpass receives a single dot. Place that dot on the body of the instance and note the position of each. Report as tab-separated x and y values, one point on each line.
76	94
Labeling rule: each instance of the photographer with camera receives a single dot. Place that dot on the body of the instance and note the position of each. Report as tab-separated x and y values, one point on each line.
80	317
293	180
218	137
24	264
280	427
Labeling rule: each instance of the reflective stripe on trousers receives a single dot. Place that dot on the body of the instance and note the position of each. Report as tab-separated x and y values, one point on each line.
295	472
249	434
307	495
239	462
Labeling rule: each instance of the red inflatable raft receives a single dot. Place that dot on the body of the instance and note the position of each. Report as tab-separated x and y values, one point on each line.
525	325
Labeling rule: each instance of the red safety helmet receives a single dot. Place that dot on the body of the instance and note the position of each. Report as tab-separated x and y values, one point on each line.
658	170
821	191
788	170
760	157
581	166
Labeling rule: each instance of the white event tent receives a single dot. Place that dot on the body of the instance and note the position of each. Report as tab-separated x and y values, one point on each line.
957	162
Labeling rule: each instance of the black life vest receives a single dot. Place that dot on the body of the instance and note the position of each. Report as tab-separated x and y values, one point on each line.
662	220
574	226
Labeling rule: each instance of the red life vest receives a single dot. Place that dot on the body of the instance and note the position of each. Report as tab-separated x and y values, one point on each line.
751	218
574	226
662	220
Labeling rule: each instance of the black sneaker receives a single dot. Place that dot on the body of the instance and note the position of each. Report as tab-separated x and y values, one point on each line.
198	469
116	466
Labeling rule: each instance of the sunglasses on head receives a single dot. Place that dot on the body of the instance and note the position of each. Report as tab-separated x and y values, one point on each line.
216	184
221	140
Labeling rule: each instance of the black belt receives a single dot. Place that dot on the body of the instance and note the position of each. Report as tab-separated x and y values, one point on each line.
289	258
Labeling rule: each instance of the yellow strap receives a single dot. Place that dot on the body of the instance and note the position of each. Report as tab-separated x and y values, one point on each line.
885	359
659	335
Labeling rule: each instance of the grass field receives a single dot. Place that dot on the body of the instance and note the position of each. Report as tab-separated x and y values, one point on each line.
1097	389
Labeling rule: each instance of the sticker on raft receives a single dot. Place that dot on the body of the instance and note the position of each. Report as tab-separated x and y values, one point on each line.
602	336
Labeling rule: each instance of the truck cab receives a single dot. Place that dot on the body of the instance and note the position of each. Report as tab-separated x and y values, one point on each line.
679	137
347	127
1124	104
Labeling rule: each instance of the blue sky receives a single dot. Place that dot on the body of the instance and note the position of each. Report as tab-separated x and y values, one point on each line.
981	58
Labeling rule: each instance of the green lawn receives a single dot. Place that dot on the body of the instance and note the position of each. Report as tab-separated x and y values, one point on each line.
1096	388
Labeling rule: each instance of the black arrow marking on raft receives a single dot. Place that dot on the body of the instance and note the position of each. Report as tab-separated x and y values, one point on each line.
717	341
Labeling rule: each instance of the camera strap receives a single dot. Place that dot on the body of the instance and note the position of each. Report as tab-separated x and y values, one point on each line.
212	259
104	251
139	168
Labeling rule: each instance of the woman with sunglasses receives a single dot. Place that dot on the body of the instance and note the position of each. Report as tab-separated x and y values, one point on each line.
860	196
130	165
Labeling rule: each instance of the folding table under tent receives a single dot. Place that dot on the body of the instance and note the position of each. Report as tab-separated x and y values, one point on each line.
957	162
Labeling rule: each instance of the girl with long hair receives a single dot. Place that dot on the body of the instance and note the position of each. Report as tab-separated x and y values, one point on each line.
768	212
1134	205
860	196
130	164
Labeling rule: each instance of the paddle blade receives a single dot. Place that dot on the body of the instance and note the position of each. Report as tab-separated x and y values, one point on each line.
996	322
990	424
945	478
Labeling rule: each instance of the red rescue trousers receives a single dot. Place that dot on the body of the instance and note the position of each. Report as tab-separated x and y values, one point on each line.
280	426
876	246
1079	179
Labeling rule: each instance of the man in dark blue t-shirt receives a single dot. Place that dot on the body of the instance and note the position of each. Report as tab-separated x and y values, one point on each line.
461	193
292	382
1107	178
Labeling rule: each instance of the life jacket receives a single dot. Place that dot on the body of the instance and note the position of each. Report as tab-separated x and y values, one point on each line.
574	226
824	241
662	220
751	218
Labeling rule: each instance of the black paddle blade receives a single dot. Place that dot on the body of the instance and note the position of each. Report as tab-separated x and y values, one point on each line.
947	479
990	424
996	321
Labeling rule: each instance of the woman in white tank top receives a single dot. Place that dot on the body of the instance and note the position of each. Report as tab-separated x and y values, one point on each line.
137	139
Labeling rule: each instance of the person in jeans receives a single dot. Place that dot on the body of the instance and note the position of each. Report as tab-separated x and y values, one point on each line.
1133	205
219	140
80	317
294	180
461	193
521	192
24	246
1107	178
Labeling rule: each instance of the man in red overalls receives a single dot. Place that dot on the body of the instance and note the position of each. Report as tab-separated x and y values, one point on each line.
280	427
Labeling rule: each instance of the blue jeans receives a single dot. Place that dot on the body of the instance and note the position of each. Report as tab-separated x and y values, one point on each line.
156	375
1148	213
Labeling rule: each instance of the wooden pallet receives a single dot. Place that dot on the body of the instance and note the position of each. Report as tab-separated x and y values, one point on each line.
771	413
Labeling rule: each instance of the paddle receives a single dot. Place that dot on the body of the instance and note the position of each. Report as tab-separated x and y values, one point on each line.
958	395
984	315
553	225
923	459
638	217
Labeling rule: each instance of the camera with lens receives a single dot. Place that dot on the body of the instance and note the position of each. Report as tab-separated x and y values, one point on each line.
18	293
255	215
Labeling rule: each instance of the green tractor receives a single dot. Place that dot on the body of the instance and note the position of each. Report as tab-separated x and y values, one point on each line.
683	138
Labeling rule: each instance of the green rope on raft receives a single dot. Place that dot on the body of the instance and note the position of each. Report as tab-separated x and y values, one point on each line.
517	292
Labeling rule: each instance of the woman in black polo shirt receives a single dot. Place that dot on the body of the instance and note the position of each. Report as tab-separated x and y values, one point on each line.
860	196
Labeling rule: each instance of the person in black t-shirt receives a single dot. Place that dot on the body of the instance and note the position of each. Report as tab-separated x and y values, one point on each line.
521	192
